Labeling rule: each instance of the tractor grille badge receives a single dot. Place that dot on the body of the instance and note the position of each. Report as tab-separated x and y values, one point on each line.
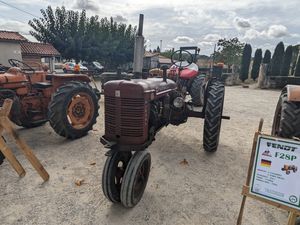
117	93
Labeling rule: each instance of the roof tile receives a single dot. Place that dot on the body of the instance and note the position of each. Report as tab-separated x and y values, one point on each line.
11	36
35	48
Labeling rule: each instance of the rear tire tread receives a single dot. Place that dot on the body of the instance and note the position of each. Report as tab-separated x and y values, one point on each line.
213	116
57	106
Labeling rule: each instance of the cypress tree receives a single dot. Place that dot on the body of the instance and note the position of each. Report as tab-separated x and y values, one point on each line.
246	59
277	58
287	58
256	63
297	68
267	56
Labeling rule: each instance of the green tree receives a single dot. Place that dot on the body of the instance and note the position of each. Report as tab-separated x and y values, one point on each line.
167	53
256	63
287	58
158	49
267	56
229	51
297	67
246	59
79	37
277	58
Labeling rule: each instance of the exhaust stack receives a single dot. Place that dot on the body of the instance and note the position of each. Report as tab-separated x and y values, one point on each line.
139	50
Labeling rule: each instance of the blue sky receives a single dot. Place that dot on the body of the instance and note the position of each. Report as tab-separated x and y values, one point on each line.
179	23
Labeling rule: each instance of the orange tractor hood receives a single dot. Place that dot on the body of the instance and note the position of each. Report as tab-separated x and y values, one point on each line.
13	78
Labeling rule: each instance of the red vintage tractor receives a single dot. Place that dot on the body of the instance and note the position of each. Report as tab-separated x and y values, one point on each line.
136	109
67	101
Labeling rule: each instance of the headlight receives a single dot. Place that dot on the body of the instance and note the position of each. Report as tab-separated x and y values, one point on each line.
178	102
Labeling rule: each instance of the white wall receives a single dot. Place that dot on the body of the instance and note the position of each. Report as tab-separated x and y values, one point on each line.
9	50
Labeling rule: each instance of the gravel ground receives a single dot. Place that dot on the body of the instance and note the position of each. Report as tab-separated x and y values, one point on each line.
206	191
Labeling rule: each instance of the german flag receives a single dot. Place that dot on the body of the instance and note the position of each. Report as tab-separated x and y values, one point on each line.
265	163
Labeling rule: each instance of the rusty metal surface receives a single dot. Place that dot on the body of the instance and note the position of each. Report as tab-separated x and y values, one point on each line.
293	93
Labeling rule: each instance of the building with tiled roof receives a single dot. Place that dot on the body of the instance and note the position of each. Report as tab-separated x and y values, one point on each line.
10	46
41	49
11	36
14	46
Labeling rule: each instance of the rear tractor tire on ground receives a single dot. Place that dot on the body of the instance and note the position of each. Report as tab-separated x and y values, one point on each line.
213	116
73	109
2	157
286	121
197	90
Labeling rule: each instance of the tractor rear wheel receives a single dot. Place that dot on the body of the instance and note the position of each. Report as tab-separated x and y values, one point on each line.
286	121
113	174
197	90
213	116
31	124
73	109
135	178
297	221
2	157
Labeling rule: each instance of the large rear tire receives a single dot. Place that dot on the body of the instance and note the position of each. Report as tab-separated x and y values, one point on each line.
30	124
286	121
297	221
197	90
73	109
2	157
213	116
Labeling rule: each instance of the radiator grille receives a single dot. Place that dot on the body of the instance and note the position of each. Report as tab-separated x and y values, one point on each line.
124	116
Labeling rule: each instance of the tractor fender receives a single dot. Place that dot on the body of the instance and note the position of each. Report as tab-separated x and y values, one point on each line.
293	93
59	80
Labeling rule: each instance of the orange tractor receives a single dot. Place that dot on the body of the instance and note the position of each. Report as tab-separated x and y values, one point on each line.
67	101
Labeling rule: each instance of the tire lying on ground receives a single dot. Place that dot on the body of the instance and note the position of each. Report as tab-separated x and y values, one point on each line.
73	109
213	116
286	121
197	90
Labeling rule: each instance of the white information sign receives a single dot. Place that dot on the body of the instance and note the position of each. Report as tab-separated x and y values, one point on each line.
276	171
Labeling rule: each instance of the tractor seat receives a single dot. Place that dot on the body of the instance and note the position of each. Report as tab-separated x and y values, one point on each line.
41	85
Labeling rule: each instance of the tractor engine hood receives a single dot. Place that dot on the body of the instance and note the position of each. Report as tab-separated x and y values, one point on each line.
149	89
13	78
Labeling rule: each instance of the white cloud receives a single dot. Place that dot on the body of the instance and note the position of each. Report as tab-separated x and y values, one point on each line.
206	43
86	4
273	31
120	19
212	37
12	25
241	22
277	31
252	34
183	40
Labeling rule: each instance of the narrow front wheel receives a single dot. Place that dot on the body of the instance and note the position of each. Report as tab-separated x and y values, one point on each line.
113	173
135	179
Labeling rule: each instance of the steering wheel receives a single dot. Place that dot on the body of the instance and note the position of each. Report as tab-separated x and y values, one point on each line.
23	66
184	60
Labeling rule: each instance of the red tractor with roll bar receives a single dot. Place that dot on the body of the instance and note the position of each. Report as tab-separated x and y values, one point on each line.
136	109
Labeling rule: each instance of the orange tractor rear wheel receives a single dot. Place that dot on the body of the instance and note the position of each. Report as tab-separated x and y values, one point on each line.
73	109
